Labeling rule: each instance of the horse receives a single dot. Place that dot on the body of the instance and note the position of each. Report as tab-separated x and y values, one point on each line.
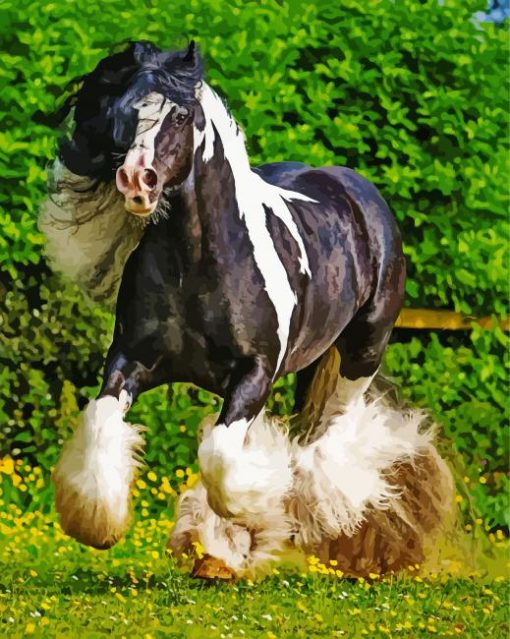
226	276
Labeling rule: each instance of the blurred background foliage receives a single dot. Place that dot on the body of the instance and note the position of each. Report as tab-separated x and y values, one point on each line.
413	94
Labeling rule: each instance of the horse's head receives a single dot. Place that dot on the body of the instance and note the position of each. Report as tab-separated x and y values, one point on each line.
134	122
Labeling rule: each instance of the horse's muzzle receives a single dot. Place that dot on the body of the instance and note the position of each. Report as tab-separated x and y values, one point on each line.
139	187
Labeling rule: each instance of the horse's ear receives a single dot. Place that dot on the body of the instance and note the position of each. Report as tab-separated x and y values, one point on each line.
137	51
191	54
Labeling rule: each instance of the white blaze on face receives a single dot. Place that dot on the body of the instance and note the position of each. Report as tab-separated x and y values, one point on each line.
152	110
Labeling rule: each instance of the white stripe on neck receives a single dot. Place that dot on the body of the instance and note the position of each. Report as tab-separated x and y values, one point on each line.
252	195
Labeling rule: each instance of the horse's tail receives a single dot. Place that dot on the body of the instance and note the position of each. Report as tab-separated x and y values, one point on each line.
309	424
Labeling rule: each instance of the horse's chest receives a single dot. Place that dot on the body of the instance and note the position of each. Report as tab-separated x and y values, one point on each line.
226	312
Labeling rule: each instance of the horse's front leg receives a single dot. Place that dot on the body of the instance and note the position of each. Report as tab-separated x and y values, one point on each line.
98	465
237	466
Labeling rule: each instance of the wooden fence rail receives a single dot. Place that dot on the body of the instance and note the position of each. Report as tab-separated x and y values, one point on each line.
423	318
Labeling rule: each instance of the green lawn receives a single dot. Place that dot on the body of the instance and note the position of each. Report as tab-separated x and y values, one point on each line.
51	586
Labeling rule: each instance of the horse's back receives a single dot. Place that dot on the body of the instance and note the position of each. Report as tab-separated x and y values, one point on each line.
369	201
360	191
366	207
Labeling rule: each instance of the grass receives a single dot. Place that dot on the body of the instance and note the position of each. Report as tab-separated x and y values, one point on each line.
50	586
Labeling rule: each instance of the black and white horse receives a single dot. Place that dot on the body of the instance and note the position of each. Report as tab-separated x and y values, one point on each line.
230	277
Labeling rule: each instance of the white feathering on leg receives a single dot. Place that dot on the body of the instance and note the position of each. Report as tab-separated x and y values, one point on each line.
247	472
95	473
286	495
245	468
341	475
220	538
247	549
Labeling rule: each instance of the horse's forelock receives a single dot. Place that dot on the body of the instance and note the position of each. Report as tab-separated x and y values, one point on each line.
104	99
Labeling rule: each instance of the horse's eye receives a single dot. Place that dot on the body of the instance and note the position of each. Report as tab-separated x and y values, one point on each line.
180	117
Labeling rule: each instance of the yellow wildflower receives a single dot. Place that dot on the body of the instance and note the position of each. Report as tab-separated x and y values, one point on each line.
7	466
199	549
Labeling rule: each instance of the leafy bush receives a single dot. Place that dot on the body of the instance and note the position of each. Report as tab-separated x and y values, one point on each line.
410	94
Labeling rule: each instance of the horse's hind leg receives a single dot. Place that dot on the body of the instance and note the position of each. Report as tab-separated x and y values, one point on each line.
361	346
304	380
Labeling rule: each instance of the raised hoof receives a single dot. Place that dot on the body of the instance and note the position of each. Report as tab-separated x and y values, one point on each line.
211	568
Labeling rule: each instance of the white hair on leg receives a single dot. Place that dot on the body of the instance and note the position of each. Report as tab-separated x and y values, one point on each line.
197	522
405	532
343	474
371	492
351	391
245	467
245	548
89	234
248	475
95	472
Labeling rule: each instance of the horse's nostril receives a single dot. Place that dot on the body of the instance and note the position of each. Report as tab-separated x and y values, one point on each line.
150	178
138	200
122	177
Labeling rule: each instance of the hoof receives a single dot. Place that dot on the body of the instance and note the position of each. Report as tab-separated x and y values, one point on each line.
212	569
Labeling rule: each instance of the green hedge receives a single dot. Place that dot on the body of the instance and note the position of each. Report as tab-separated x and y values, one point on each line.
412	94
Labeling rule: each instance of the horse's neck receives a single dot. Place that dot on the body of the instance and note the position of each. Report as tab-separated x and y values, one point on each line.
222	184
220	172
220	126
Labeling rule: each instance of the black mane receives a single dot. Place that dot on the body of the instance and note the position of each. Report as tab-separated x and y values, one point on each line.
104	118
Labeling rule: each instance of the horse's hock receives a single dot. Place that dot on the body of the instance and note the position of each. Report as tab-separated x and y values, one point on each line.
371	493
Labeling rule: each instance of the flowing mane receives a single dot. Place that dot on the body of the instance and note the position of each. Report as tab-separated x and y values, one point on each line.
89	235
